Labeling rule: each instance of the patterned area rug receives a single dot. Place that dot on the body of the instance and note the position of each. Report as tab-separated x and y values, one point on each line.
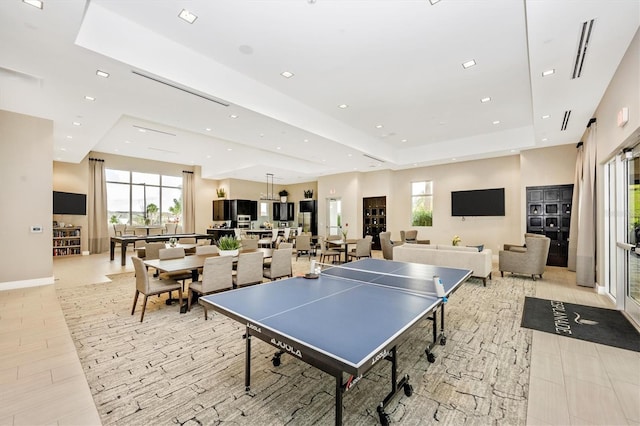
181	369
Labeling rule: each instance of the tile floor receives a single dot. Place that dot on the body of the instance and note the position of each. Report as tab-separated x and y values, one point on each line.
42	382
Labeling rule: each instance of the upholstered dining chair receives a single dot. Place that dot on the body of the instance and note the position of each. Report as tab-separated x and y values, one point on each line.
280	265
326	252
303	246
529	259
248	269
410	236
249	243
151	286
387	245
216	276
287	234
152	251
173	253
363	248
206	249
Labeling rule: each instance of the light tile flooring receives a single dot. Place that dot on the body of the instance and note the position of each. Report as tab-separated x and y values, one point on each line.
42	382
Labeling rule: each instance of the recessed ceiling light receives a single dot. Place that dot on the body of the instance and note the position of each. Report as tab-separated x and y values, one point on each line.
127	141
286	74
69	137
233	116
496	122
349	155
546	116
208	129
104	74
306	140
513	150
229	149
35	3
468	64
548	72
90	98
343	106
379	126
75	123
142	130
487	99
63	149
278	147
208	156
403	140
187	16
544	139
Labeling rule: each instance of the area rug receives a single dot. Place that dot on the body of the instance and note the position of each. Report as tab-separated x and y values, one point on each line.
598	325
181	369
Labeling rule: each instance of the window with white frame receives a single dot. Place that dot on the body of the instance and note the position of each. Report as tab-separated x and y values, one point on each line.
135	198
422	203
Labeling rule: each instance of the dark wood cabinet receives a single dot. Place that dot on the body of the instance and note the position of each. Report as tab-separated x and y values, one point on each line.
549	214
308	216
230	209
374	218
222	210
283	211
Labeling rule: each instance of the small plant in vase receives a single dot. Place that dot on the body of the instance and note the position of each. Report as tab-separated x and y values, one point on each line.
308	193
221	193
345	231
173	241
456	240
283	195
228	246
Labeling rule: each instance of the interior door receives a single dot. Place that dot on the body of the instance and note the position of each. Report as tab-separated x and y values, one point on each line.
334	216
632	244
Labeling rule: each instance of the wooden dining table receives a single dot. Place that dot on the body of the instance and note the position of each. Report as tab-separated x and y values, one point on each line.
343	244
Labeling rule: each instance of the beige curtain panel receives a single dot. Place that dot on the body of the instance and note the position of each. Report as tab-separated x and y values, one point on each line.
97	207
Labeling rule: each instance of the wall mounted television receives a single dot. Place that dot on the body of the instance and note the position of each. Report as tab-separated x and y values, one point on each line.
480	202
69	203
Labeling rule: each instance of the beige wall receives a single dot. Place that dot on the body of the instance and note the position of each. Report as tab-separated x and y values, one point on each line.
623	91
26	150
71	177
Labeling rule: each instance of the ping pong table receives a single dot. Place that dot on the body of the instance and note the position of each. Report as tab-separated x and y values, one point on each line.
344	322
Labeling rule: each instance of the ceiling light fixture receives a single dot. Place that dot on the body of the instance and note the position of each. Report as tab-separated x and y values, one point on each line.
35	3
90	98
208	129
496	122
75	123
548	72
69	137
187	16
403	140
101	73
379	126
233	116
546	116
343	106
487	99
468	64
286	74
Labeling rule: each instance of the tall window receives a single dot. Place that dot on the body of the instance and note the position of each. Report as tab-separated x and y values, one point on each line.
422	203
143	198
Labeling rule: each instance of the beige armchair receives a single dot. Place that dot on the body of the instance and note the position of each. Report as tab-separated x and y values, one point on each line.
410	236
387	245
529	259
150	286
216	276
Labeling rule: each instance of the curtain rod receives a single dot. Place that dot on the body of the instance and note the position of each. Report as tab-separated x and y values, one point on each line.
187	171
591	121
96	159
579	144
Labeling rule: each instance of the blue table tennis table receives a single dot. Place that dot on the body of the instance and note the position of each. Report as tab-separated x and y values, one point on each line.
344	322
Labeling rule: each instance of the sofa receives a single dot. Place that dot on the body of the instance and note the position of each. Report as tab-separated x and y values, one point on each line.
446	255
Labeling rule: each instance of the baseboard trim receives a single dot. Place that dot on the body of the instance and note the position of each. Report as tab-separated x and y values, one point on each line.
12	285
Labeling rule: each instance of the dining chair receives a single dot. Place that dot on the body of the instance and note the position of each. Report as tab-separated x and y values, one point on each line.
151	286
249	243
326	252
152	251
287	234
188	240
174	253
303	245
280	265
216	276
207	249
248	269
363	248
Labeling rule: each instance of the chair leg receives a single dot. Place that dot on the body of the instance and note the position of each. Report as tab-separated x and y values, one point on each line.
533	276
144	307
484	281
205	314
135	301
502	274
189	296
179	299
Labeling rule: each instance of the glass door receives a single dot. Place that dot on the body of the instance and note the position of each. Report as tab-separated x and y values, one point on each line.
334	216
632	246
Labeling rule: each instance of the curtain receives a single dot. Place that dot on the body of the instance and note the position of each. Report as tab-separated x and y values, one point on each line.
97	203
573	226
188	203
586	244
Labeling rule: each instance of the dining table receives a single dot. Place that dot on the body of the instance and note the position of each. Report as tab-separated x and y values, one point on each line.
343	244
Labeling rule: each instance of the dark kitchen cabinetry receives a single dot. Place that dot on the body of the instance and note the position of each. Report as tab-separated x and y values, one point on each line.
230	209
374	218
549	214
308	217
283	211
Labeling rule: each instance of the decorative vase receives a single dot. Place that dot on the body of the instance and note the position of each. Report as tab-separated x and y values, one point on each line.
229	252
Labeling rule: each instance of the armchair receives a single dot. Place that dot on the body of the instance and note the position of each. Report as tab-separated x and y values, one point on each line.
387	245
528	259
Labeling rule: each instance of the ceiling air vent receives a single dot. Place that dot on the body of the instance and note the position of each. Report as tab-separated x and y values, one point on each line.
585	36
373	158
175	86
565	120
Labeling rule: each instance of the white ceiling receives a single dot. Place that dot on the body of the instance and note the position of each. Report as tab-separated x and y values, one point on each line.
395	63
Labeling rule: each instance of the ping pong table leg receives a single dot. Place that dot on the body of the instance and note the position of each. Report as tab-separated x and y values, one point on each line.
443	338
247	365
339	400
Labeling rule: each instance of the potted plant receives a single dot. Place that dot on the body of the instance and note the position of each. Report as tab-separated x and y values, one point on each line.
228	246
221	193
283	195
308	193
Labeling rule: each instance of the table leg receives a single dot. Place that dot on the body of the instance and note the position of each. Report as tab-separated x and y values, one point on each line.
112	249
339	400
123	253
247	365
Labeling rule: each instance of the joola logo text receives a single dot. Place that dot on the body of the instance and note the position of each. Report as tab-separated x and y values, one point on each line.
254	327
287	347
380	356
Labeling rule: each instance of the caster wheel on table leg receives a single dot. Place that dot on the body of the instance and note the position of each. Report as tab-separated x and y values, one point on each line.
275	361
430	356
408	389
443	340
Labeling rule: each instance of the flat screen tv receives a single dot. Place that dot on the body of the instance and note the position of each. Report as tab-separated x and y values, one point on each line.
69	203
480	202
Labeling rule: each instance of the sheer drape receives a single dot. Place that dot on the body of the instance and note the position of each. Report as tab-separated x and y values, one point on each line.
97	208
575	201
586	244
188	203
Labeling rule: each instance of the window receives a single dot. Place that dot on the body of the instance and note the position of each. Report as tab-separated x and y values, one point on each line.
422	203
143	198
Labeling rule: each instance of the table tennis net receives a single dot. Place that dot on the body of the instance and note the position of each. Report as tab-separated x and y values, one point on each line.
427	285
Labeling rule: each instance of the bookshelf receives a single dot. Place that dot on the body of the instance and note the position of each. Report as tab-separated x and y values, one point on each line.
66	241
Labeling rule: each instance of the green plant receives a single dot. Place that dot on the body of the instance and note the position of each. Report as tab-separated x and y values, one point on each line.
422	218
308	193
114	219
221	193
283	193
228	243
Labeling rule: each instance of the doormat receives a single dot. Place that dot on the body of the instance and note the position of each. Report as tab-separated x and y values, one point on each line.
598	325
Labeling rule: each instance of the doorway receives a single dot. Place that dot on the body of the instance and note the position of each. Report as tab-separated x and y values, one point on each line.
334	216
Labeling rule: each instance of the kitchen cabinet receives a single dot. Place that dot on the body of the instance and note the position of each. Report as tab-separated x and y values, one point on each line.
283	211
230	209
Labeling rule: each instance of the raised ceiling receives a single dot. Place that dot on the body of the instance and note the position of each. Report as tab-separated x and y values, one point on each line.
174	88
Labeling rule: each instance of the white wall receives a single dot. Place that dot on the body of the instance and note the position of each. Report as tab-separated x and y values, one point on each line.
26	152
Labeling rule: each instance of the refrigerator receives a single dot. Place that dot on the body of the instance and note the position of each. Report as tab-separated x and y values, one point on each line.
308	217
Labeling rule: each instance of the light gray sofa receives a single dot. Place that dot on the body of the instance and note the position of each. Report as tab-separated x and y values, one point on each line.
445	255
